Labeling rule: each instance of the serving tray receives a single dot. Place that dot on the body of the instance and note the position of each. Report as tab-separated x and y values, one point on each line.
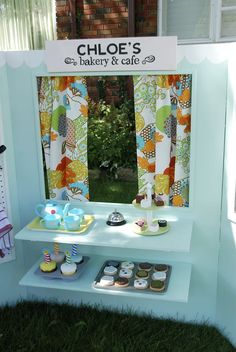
58	275
130	288
36	225
161	230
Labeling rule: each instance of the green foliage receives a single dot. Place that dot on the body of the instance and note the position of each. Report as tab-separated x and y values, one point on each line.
111	136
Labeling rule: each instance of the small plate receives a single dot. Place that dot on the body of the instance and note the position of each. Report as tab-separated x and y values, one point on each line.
161	230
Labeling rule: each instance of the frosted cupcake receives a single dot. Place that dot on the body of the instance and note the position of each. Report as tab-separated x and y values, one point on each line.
57	256
48	265
68	268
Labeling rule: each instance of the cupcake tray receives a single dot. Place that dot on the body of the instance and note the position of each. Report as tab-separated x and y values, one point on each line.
58	275
131	288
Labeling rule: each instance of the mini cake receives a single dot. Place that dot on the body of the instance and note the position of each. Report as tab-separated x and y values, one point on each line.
158	201
68	268
145	266
127	265
162	223
139	197
121	282
140	284
139	226
110	270
48	265
159	275
157	285
113	263
107	280
161	267
142	274
57	256
126	273
75	257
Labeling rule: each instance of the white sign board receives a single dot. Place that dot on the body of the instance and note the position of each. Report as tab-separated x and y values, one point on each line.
112	54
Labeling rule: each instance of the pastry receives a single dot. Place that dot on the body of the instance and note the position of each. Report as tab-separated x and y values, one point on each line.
48	265
127	265
110	270
140	284
145	266
159	275
157	285
139	226
107	280
113	263
122	282
158	201
57	256
139	197
75	257
68	268
161	267
162	223
142	274
126	273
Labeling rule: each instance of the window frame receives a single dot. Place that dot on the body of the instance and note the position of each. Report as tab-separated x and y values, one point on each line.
215	24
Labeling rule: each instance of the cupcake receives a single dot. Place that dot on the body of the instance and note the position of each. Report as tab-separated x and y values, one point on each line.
68	268
75	257
57	256
142	274
48	265
161	267
139	197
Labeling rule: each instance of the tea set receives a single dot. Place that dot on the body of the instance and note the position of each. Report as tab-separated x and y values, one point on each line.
54	215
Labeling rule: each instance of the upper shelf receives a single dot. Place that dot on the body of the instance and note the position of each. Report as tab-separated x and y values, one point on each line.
178	239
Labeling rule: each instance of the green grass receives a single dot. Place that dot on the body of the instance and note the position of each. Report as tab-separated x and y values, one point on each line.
113	191
38	327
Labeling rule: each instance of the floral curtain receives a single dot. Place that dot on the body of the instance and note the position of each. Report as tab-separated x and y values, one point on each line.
63	112
163	119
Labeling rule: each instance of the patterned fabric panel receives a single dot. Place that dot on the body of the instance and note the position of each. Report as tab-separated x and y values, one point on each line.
63	110
163	123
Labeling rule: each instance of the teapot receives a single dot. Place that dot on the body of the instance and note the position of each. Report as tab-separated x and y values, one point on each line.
51	208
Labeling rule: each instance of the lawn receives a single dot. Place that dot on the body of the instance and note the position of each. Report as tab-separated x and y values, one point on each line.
37	327
113	191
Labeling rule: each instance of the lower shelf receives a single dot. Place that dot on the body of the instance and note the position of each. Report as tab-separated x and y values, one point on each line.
178	289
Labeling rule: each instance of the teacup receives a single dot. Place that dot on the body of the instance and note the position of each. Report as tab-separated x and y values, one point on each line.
72	222
51	221
77	211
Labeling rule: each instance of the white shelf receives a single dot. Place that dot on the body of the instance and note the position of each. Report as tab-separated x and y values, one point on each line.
178	288
178	239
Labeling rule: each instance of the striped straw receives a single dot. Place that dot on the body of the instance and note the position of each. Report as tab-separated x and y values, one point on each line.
56	248
47	257
68	257
74	249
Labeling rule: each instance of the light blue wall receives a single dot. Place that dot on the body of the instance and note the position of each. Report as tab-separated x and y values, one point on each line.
226	300
209	105
11	272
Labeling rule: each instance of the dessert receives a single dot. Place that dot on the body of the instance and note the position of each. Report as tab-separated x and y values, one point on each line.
140	284
113	263
75	257
162	223
140	225
142	274
145	266
68	268
158	201
57	256
107	280
48	265
110	270
161	267
122	282
126	273
159	275
157	285
139	197
127	265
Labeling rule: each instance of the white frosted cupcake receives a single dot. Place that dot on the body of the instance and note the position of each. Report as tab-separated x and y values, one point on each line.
68	268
